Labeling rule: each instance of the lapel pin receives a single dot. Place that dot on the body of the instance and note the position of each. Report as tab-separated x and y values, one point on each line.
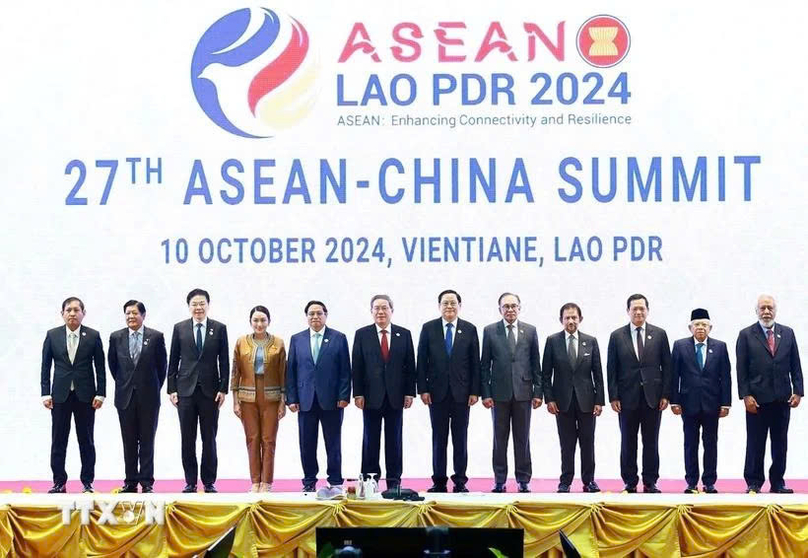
210	332
459	331
709	350
145	341
84	334
649	337
778	336
325	340
583	343
521	331
398	334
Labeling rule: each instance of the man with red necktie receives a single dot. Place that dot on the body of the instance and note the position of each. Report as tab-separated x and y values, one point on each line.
770	384
383	371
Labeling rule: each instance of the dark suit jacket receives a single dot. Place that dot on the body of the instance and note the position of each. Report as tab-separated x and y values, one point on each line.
372	377
80	373
586	377
439	374
630	380
149	374
698	390
330	378
507	374
187	368
765	377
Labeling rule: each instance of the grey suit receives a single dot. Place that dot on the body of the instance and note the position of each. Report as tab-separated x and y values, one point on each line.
512	378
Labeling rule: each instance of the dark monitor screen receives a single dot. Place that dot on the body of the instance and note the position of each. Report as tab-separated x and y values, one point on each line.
401	542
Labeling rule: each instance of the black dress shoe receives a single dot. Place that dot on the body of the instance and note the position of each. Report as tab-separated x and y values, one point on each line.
691	490
147	489
210	489
630	489
128	489
782	490
57	489
499	488
88	488
752	489
710	489
310	487
458	488
563	488
591	487
524	487
438	488
189	488
651	489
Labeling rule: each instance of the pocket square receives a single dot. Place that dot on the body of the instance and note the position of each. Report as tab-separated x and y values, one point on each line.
586	354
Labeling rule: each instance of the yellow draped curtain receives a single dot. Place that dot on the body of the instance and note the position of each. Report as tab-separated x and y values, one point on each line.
279	528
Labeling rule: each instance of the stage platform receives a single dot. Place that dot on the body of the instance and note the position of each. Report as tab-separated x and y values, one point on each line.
284	523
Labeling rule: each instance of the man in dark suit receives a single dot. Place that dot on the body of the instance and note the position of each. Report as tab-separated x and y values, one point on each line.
770	384
573	388
639	375
77	390
137	362
510	383
383	366
449	382
318	384
198	377
701	393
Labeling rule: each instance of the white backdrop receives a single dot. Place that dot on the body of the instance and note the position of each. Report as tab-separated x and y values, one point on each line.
103	81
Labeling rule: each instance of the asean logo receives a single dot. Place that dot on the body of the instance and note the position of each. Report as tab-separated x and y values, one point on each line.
603	41
252	73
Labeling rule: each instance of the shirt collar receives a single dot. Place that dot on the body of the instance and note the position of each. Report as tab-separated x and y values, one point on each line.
574	335
389	328
68	332
506	324
312	333
765	329
140	331
696	341
633	328
454	324
203	322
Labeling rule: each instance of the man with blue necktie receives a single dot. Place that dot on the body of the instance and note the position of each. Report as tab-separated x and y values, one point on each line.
701	394
770	384
449	382
318	384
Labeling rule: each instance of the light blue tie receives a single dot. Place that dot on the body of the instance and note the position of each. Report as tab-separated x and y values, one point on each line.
700	355
134	346
316	352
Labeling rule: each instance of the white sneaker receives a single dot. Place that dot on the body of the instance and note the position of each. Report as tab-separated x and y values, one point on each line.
331	493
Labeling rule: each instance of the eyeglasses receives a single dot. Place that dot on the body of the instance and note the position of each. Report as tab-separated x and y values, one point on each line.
510	306
315	314
449	304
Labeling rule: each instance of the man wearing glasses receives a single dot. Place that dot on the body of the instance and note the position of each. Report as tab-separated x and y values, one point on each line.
318	384
511	387
449	382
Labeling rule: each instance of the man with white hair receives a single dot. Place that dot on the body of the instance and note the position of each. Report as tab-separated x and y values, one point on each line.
701	393
770	384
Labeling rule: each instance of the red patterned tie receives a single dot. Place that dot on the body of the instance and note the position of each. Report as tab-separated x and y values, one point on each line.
385	346
770	340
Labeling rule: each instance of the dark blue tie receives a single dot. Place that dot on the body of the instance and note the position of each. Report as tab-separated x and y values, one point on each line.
448	339
199	338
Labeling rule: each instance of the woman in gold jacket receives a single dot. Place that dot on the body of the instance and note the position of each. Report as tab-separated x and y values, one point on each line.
259	372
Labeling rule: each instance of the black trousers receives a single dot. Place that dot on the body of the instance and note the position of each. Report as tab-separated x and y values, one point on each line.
445	416
138	428
647	420
308	424
576	426
707	423
504	414
371	442
84	416
203	410
771	418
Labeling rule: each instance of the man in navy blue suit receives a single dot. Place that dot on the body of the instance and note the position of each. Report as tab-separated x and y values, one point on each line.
770	384
318	384
701	394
